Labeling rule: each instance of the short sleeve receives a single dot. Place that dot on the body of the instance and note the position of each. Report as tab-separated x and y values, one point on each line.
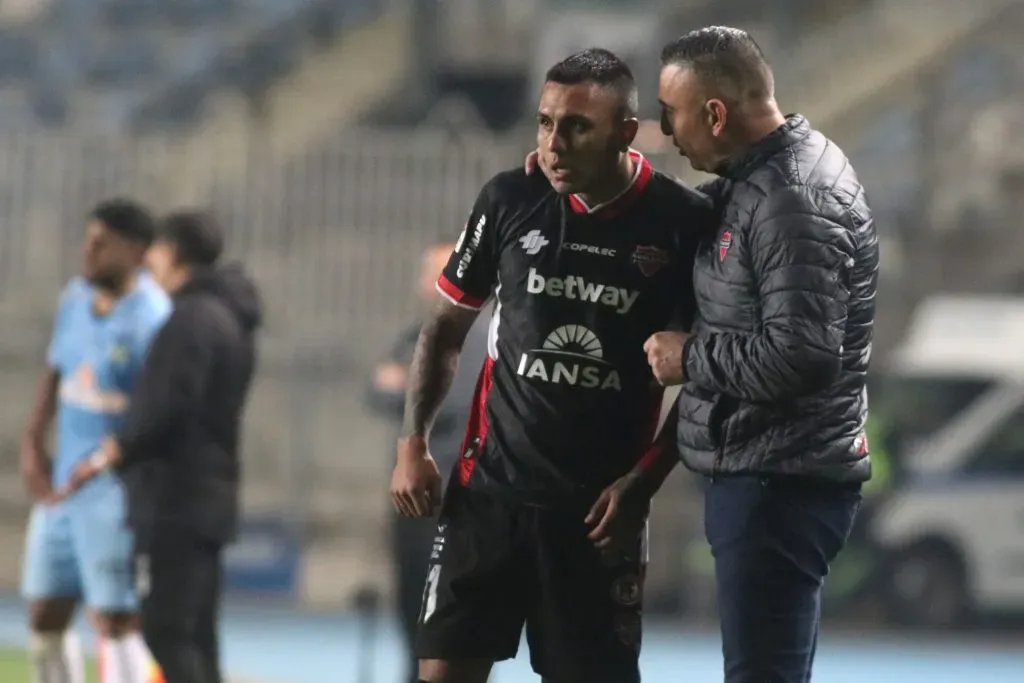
72	292
471	273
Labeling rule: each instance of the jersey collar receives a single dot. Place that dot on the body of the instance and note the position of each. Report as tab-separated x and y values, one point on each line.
641	176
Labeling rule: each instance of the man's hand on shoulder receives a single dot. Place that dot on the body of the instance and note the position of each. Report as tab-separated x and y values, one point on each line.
416	480
665	356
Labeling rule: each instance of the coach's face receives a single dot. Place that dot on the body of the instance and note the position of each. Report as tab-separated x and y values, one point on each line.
581	130
694	120
108	259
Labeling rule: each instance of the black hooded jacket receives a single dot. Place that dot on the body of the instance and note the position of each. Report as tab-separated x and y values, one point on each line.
180	440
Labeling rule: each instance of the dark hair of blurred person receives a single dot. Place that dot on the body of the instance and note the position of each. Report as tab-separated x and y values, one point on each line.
117	234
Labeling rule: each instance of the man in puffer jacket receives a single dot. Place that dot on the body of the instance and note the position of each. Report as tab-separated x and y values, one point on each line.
773	404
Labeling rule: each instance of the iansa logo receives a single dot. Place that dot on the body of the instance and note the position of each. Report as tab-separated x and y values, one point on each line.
533	242
571	355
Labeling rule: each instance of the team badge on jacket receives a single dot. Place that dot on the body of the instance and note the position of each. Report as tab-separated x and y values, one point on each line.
724	242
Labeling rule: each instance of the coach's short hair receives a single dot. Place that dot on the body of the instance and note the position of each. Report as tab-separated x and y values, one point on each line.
602	67
126	219
727	59
196	236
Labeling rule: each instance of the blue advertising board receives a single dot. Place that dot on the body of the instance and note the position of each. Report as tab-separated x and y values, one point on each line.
266	558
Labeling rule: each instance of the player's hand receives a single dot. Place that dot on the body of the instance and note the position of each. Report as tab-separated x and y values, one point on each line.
84	472
532	162
416	481
619	513
36	473
665	356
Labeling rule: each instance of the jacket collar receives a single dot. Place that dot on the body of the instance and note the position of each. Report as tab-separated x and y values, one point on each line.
795	128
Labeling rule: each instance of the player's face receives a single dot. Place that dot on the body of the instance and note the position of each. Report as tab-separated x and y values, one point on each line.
162	263
695	121
580	133
108	259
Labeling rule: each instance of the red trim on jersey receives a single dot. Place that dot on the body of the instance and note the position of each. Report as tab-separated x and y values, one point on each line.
652	449
456	295
478	425
616	206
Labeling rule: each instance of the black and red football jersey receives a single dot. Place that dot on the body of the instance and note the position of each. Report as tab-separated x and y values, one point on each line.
566	402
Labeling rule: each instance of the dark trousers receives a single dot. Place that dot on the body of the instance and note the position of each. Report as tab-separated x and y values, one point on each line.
411	542
180	586
773	540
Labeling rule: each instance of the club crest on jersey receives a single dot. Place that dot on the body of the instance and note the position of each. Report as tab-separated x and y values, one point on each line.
650	259
724	242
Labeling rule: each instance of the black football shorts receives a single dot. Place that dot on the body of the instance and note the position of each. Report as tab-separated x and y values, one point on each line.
497	564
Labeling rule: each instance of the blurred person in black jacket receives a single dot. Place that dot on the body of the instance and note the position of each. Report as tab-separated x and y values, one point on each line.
178	450
412	538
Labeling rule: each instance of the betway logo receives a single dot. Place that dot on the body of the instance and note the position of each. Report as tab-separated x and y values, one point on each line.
575	287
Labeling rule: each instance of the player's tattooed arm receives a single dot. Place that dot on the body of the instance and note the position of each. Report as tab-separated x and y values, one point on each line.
433	365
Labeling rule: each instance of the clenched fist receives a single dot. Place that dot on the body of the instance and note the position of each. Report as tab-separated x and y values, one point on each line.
665	356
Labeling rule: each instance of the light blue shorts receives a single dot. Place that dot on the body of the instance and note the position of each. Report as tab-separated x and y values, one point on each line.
81	548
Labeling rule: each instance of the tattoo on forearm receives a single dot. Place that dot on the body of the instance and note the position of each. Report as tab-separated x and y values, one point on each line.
433	365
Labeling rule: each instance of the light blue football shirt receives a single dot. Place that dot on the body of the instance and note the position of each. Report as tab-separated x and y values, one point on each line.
99	359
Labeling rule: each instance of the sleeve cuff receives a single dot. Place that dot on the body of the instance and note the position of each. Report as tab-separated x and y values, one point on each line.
454	294
686	352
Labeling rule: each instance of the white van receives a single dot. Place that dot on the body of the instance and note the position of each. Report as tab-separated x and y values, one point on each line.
953	532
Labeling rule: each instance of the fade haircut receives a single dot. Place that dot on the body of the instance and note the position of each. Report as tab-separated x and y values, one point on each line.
127	219
196	236
726	59
603	68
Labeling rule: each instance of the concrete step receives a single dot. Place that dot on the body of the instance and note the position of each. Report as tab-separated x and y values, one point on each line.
330	89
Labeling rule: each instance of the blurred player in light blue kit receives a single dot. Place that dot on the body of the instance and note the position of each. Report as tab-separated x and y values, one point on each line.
78	548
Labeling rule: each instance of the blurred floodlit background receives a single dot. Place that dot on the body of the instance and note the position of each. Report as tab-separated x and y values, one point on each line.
337	139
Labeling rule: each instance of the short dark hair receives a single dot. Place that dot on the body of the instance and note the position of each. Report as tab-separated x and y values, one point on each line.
196	236
599	66
728	59
126	219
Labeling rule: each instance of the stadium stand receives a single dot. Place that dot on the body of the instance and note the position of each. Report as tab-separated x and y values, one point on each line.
153	65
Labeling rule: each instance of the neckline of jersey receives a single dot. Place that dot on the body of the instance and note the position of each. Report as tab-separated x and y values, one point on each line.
614	206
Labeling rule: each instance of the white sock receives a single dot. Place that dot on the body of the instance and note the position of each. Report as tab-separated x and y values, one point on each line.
56	658
125	660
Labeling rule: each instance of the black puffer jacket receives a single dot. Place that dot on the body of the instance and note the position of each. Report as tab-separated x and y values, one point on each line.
786	292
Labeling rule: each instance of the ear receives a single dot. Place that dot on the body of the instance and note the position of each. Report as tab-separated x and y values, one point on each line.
630	127
717	115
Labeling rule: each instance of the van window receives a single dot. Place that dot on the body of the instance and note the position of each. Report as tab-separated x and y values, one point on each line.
1002	453
910	408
